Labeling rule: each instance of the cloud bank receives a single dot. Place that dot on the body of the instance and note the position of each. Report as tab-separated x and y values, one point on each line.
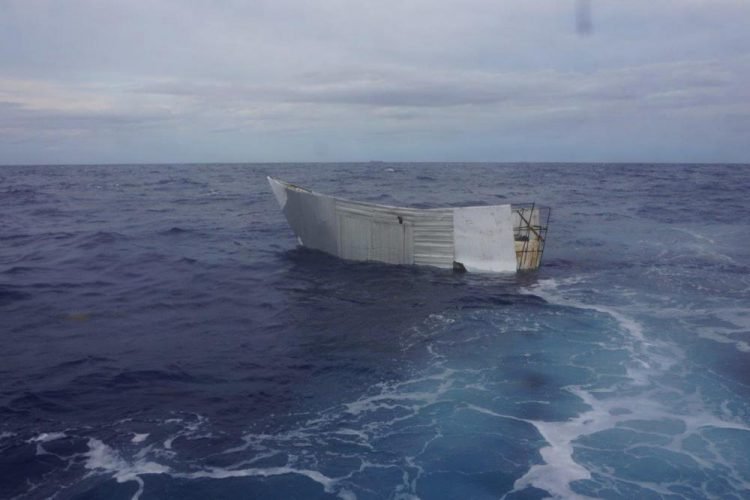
334	80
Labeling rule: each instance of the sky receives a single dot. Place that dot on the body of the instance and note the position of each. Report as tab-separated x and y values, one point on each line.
147	81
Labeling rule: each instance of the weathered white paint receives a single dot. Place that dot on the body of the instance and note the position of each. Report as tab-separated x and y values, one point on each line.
279	191
354	237
480	238
483	238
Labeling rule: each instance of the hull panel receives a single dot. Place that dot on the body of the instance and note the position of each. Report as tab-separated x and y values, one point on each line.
477	239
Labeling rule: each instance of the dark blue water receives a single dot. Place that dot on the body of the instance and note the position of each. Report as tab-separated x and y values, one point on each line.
162	337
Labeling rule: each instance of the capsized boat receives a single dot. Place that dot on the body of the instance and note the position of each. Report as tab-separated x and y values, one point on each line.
495	238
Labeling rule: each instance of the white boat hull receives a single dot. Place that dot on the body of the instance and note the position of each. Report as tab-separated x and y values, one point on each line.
476	239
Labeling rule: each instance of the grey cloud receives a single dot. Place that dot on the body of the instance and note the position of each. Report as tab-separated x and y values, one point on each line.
278	76
16	121
695	82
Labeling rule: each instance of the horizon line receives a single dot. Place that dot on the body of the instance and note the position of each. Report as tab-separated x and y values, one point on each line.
371	162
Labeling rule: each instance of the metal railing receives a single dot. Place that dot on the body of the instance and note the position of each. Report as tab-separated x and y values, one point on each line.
530	223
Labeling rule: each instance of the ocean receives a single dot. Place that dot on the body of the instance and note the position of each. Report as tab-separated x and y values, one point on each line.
161	336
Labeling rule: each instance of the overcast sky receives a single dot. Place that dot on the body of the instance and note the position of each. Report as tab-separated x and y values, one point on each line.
97	81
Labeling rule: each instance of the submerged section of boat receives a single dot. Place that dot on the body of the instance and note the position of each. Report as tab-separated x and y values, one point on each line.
496	238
